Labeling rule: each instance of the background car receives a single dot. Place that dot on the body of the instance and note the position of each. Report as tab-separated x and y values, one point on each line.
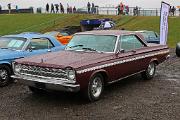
178	49
150	36
23	45
62	36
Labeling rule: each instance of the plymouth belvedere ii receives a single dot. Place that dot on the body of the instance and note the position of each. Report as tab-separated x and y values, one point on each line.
22	45
90	61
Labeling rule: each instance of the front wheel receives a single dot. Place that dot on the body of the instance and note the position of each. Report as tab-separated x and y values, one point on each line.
150	71
5	73
95	88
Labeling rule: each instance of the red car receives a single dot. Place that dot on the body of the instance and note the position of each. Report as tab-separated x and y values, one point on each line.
90	61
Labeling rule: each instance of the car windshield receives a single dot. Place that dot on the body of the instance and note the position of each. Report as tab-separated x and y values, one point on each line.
14	43
100	43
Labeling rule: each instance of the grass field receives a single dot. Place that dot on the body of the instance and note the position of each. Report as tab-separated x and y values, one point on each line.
10	24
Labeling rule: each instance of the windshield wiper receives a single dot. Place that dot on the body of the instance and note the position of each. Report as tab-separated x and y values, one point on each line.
75	46
4	48
90	49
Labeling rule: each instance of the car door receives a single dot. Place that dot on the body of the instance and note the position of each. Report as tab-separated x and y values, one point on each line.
130	49
39	46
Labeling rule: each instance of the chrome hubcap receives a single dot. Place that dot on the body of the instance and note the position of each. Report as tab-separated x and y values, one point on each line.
96	87
3	75
151	69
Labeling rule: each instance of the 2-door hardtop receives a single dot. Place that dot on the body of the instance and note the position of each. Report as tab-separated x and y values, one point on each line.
23	45
90	61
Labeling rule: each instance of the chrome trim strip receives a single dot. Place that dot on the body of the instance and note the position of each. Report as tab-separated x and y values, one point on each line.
125	77
121	62
45	78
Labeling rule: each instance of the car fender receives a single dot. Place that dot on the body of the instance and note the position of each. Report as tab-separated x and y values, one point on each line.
101	71
154	60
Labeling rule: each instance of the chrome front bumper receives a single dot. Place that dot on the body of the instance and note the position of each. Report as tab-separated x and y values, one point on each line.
47	84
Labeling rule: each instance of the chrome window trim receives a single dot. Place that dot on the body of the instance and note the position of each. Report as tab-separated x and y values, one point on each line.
121	62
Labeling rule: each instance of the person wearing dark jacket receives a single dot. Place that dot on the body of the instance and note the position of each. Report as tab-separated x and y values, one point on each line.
89	7
47	8
52	8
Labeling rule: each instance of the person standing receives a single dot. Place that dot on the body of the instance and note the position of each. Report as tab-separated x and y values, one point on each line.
52	8
127	10
118	7
93	8
17	9
179	11
0	9
9	8
62	8
89	7
74	9
173	10
57	8
47	8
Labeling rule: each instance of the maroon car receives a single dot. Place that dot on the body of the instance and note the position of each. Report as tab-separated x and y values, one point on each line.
90	61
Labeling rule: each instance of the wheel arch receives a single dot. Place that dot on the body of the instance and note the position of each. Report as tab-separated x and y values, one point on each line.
155	60
104	74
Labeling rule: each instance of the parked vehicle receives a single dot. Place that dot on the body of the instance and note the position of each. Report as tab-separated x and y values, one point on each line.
62	36
178	49
150	36
96	24
90	61
22	45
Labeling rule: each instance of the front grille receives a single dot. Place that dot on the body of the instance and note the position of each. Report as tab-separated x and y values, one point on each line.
45	72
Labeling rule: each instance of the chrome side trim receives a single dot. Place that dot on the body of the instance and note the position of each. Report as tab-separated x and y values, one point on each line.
125	77
120	62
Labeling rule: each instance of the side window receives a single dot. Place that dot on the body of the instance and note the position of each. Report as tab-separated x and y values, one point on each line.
40	43
130	42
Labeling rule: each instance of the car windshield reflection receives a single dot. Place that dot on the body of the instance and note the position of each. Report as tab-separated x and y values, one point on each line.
14	43
96	43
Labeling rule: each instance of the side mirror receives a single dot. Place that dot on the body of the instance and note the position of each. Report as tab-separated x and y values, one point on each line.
120	51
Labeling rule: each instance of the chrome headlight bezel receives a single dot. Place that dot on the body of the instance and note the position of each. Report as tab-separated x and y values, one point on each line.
17	68
71	74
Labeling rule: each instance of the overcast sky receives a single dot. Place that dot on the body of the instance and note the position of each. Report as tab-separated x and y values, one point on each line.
82	3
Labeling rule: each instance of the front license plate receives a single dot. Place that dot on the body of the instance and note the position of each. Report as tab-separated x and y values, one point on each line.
40	85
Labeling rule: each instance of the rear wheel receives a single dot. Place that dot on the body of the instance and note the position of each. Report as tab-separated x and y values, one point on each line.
5	73
150	71
95	88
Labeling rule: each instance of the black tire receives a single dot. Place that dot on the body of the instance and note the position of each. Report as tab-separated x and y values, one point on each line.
36	90
5	74
92	94
150	71
178	50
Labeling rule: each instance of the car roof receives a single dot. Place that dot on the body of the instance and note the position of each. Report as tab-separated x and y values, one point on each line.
107	32
28	36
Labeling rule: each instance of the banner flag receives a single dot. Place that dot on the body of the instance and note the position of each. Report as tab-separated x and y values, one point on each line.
164	23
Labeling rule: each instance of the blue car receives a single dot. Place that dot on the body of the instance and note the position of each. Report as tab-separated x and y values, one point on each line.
150	36
23	45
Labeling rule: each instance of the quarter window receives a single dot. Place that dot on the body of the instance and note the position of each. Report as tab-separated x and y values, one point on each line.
40	43
130	42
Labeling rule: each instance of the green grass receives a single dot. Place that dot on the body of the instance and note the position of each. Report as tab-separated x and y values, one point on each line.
10	24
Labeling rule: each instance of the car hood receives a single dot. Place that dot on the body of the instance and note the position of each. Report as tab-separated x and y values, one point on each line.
63	59
6	54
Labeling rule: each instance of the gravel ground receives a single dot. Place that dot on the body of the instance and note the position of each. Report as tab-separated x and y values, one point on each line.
129	99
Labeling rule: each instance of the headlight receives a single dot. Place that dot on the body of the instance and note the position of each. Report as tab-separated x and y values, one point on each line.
17	68
71	74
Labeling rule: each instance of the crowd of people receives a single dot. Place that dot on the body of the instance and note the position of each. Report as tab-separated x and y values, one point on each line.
59	8
172	10
91	8
123	9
